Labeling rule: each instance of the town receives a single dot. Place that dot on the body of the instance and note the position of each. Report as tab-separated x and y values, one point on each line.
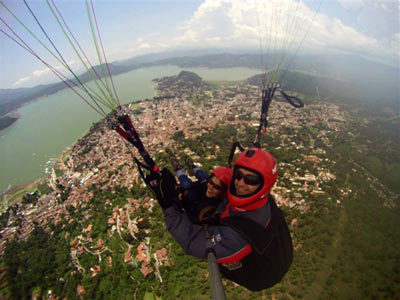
187	105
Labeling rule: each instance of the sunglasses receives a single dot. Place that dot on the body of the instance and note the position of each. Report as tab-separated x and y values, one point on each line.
216	186
248	179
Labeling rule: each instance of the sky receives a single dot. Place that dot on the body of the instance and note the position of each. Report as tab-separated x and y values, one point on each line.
134	27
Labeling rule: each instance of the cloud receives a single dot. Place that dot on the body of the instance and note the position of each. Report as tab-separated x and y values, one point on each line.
379	19
36	74
139	46
47	71
42	72
238	24
21	80
376	33
210	21
223	23
218	23
351	4
144	46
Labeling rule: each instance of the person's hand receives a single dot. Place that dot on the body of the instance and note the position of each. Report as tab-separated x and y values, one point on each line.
168	188
164	187
153	181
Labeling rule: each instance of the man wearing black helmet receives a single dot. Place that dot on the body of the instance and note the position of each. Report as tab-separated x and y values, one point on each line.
251	240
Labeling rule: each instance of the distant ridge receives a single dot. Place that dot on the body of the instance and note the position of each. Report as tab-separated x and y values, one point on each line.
313	86
348	76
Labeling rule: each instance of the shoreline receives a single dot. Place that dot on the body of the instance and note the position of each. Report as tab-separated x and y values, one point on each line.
58	160
13	194
14	190
13	114
20	115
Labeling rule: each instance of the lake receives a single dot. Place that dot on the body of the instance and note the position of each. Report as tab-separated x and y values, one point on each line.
51	124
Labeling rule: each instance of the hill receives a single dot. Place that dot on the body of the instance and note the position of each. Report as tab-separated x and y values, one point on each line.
11	99
351	78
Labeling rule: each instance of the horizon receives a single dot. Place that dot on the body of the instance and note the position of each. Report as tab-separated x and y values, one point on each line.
180	53
339	27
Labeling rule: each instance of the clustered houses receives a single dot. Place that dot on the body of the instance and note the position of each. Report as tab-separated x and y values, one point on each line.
102	159
22	219
122	220
143	258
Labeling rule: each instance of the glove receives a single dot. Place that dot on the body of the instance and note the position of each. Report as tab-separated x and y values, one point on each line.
153	181
164	187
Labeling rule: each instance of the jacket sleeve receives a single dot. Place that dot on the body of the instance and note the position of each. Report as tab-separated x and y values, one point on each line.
229	246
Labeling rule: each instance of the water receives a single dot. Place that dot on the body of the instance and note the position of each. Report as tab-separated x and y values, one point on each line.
50	125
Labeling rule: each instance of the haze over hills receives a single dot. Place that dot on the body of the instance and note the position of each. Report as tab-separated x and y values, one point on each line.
350	77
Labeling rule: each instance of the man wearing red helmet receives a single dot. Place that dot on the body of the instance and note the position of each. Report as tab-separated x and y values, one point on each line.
251	241
255	172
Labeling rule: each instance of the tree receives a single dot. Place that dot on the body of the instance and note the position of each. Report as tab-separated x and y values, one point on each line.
179	136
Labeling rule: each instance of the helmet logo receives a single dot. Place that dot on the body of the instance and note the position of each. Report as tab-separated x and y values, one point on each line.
239	208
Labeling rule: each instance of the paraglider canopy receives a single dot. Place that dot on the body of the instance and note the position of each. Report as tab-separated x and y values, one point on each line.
282	29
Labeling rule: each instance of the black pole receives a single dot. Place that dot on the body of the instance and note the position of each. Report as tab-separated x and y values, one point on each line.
217	289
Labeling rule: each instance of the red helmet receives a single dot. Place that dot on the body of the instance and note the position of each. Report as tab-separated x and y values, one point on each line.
261	162
224	174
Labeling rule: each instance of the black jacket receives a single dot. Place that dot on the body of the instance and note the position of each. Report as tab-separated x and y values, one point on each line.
253	248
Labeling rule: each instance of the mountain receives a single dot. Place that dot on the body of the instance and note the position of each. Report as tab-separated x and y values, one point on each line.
354	78
12	99
312	86
348	76
368	81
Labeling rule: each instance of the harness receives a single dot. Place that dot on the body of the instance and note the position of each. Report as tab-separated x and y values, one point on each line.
272	252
